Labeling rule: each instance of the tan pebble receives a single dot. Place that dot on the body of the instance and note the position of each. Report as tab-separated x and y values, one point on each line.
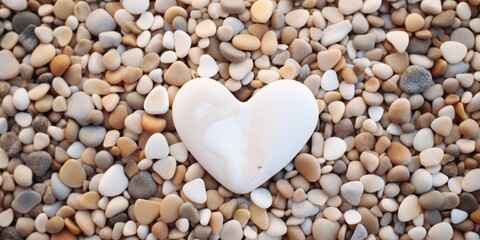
127	146
214	199
399	154
469	128
72	173
63	235
63	9
325	229
55	224
297	18
42	55
329	58
261	11
246	42
63	35
169	210
216	222
399	40
96	86
399	111
269	43
90	200
59	64
308	166
206	28
177	74
414	22
231	230
152	124
259	216
146	211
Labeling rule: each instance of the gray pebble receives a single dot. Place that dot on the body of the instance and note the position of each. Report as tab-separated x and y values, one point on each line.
100	21
79	105
39	162
28	39
40	124
10	233
464	36
92	136
26	201
415	80
9	142
418	46
232	54
23	19
142	185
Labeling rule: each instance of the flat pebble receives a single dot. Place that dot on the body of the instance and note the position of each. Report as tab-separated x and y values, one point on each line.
441	230
136	6
334	148
336	32
9	66
195	191
415	79
207	66
99	21
142	185
114	174
329	81
399	39
26	201
157	101
261	11
469	182
261	197
453	52
39	162
72	173
156	147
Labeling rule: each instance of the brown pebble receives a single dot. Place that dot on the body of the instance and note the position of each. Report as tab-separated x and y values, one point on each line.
177	74
72	173
308	166
55	224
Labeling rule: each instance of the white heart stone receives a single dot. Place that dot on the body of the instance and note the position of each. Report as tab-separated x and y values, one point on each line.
243	144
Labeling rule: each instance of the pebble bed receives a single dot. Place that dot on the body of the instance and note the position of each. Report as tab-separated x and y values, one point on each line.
88	148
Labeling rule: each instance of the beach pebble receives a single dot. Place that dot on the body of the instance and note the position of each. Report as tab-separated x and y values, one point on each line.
195	191
142	185
92	136
232	6
156	147
325	229
441	230
39	162
431	157
336	32
207	66
21	99
79	105
261	197
329	81
16	5
469	182
206	28
231	230
26	201
399	40
114	174
136	6
72	173
157	101
409	208
415	80
453	52
297	18
261	11
9	66
352	217
99	21
334	148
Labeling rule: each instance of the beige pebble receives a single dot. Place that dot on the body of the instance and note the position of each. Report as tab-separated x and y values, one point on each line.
399	39
328	59
72	173
453	52
206	28
246	42
261	11
297	18
42	55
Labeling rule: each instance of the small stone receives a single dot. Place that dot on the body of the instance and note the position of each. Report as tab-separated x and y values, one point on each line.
177	74
26	201
246	42
431	200
431	157
28	39
308	166
336	32
364	42
399	40
183	43
232	6
156	147
136	6
10	233
114	174
157	101
409	208
169	209
297	18
206	28
334	148
347	7
261	197
22	20
444	19
458	216
142	185
422	180
453	52
352	217
42	55
232	54
9	66
352	192
207	66
415	80
92	136
261	11
330	184
63	9
72	174
325	229
79	105
16	5
99	21
39	162
6	217
195	191
423	139
441	230
231	230
146	211
328	59
470	182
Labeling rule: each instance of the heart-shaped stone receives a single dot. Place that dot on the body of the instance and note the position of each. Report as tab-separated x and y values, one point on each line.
243	144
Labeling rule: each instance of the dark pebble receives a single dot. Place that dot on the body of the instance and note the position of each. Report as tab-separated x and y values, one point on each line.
40	124
21	21
142	185
121	217
415	80
45	78
450	169
39	162
28	39
468	203
202	232
9	142
418	46
10	233
4	89
344	128
432	217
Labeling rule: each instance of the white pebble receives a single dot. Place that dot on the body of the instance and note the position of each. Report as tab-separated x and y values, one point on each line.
261	197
